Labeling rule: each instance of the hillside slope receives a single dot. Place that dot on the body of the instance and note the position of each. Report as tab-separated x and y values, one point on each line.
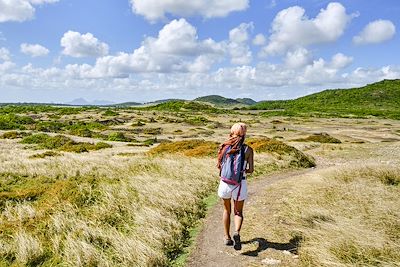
379	99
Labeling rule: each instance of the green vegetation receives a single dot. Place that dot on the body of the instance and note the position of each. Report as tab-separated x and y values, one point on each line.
223	101
62	143
110	112
12	121
319	137
180	106
14	135
118	136
381	99
41	108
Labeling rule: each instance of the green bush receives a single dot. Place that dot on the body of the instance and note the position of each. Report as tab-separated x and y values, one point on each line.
12	121
118	136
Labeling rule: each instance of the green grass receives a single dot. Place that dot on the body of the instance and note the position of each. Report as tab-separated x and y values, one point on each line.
62	143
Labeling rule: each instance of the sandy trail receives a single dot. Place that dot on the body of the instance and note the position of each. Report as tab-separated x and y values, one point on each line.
209	248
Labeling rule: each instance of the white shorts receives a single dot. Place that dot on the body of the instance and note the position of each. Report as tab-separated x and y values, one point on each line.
231	191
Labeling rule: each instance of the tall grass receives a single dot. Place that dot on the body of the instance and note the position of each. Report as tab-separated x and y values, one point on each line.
99	211
350	218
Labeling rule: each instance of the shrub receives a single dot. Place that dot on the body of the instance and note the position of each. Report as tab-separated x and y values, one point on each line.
190	148
14	135
62	143
118	136
45	154
12	121
110	112
321	138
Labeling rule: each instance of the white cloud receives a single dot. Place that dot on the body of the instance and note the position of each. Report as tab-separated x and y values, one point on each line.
82	45
176	49
375	32
291	28
4	54
19	10
238	47
40	2
259	39
154	10
7	65
340	61
298	58
34	50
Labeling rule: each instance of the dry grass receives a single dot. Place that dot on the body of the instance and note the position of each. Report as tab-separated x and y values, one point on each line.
281	150
347	218
78	210
190	148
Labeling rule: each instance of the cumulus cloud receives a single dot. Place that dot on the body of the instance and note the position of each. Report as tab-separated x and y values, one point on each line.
4	54
291	28
375	32
82	45
238	48
154	10
340	61
175	49
259	39
34	50
298	58
19	10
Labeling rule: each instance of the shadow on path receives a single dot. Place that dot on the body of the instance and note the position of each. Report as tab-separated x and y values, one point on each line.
263	244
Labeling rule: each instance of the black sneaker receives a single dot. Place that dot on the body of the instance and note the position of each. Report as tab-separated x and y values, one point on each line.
228	242
236	240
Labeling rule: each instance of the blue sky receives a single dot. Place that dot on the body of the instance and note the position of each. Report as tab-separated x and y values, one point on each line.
143	50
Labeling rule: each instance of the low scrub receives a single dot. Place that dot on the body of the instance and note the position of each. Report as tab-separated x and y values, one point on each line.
62	143
14	135
12	121
190	148
280	149
320	138
45	155
118	136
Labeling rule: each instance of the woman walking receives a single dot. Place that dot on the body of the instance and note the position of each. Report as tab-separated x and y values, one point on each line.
235	160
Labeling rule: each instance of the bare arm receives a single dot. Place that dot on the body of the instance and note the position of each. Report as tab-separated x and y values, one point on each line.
250	160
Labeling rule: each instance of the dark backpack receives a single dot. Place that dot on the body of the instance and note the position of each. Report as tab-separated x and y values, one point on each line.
232	166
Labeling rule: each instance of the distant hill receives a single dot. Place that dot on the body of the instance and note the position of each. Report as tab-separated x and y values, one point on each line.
246	101
127	104
380	99
223	101
84	102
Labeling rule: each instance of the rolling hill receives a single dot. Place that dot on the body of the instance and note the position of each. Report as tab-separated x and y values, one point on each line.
380	99
223	101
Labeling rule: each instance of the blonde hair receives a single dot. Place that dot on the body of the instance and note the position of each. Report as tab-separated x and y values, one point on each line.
239	129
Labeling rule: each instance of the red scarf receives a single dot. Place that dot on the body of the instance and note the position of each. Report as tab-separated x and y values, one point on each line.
235	142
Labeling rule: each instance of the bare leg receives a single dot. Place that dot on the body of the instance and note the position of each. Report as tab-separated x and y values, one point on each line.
238	215
226	218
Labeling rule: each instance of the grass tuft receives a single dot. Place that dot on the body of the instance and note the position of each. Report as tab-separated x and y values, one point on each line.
190	148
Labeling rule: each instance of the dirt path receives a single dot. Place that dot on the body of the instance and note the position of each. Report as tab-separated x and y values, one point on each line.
209	249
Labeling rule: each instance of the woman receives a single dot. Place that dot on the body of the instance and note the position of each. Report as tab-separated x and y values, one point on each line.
238	192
